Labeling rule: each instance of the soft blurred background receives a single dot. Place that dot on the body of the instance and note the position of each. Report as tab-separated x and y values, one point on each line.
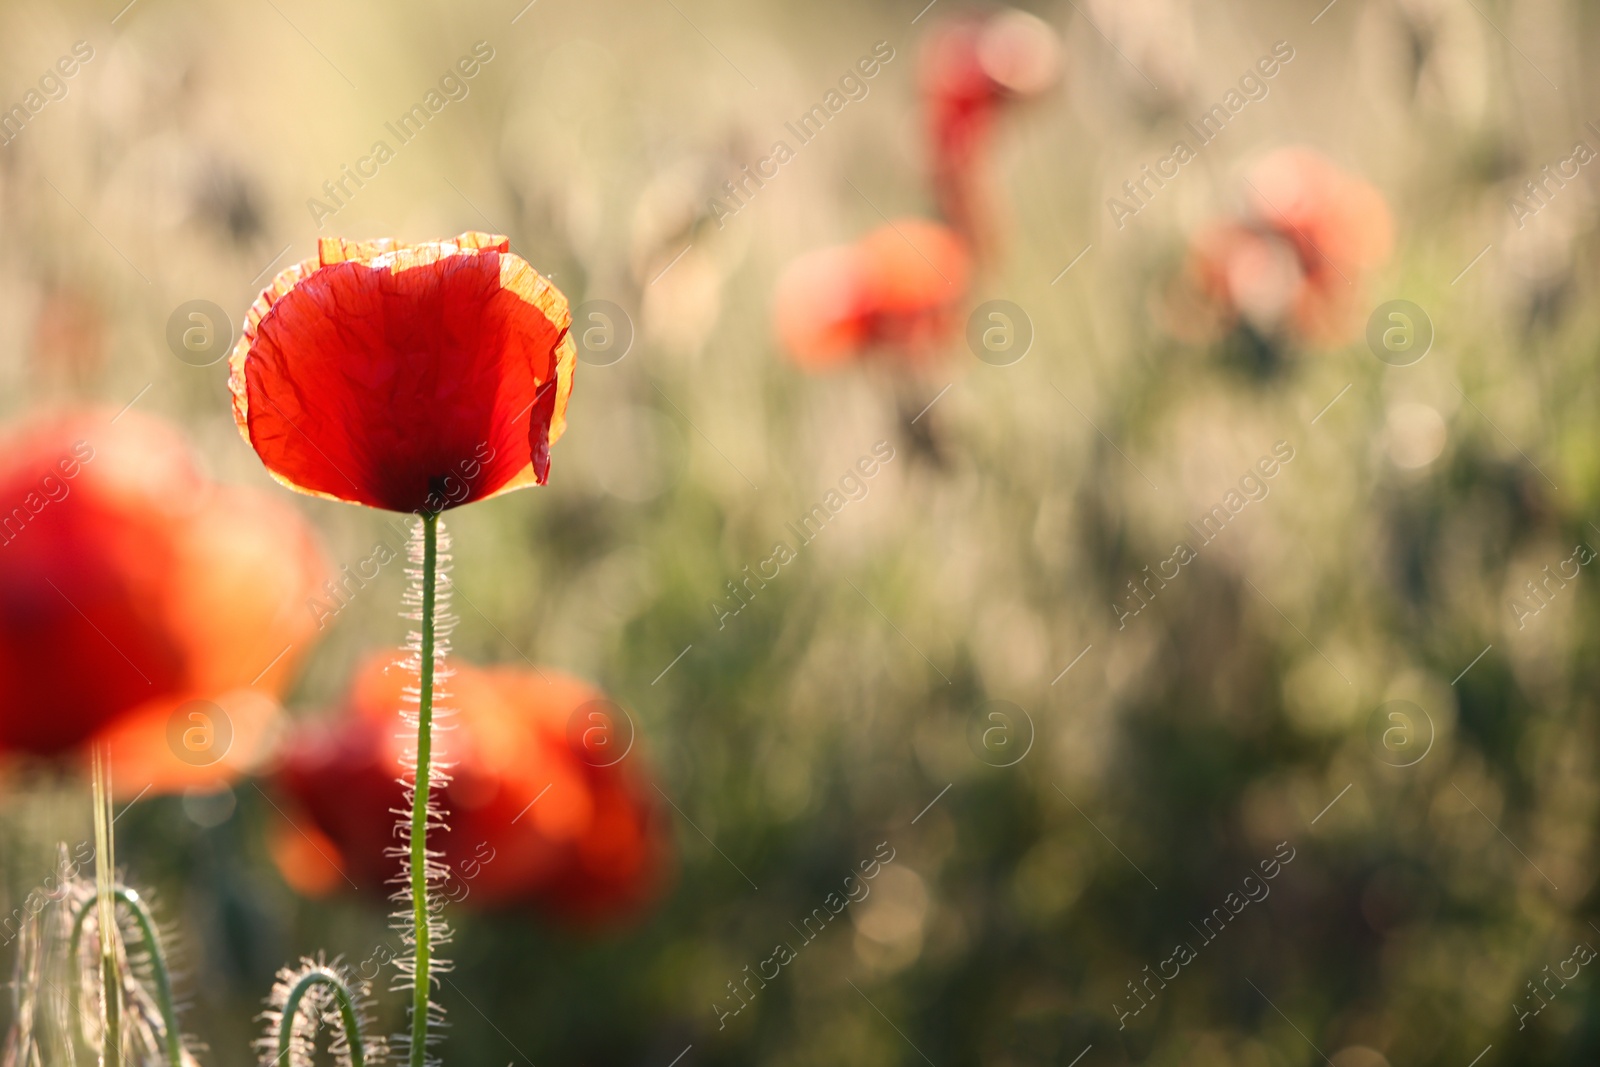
1047	851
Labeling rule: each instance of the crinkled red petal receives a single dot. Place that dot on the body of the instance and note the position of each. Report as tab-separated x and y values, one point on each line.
406	377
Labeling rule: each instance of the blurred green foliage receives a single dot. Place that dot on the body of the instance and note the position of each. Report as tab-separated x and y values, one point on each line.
826	717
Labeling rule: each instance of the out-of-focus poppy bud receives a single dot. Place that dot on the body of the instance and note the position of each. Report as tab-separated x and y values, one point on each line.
900	290
1295	261
972	66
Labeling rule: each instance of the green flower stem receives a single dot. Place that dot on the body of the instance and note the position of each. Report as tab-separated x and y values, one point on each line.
347	1013
158	967
419	799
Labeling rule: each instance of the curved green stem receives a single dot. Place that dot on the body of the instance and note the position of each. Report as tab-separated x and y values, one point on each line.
347	1012
419	799
158	967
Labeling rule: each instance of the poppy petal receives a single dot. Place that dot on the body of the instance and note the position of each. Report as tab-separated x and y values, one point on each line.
178	743
399	376
132	583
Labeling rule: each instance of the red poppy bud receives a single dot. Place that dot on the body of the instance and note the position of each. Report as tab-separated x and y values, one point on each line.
899	289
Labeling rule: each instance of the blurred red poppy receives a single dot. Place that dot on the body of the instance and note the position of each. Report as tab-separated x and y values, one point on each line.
408	377
972	66
1295	261
541	809
900	290
133	586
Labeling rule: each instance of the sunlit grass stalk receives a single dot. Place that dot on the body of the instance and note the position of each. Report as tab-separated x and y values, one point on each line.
158	965
105	901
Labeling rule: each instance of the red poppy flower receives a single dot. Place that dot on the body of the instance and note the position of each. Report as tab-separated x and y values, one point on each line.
132	586
1296	259
899	289
972	66
540	811
408	377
